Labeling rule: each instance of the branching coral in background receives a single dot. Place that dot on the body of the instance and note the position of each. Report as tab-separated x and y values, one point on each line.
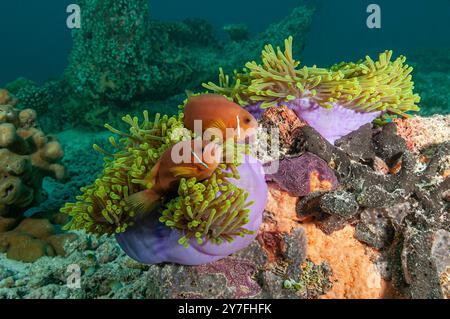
365	86
27	155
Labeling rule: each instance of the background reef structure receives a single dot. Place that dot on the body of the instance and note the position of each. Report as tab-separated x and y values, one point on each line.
111	51
122	60
27	155
364	87
211	210
121	54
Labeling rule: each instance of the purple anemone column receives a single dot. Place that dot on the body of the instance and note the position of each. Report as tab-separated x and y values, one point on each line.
151	242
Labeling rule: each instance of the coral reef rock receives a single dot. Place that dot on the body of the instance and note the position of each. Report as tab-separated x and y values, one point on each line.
422	132
27	155
106	272
33	239
398	210
391	197
369	251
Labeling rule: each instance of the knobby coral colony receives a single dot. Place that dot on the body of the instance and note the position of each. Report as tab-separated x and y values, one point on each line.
365	86
27	155
211	210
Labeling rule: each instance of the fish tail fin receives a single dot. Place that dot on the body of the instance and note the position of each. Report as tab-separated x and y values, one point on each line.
143	202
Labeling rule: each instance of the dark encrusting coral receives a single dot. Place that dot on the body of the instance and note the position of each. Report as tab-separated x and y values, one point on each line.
403	211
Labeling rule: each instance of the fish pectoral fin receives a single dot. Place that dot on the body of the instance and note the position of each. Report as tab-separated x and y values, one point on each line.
219	124
151	176
143	202
183	171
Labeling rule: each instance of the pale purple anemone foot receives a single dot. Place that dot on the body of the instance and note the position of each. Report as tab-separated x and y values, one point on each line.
255	110
332	124
151	242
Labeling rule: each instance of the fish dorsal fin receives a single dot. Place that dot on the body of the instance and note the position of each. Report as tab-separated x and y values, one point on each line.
183	171
143	202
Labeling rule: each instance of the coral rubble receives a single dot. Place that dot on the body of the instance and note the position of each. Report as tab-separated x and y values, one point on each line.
422	132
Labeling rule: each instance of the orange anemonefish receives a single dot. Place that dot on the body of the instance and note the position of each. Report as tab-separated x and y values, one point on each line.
216	112
201	162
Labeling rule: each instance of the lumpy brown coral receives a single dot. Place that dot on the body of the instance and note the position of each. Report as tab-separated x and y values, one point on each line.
27	155
33	239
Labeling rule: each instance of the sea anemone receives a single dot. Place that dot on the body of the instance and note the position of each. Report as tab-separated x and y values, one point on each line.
220	214
102	208
205	223
332	123
359	91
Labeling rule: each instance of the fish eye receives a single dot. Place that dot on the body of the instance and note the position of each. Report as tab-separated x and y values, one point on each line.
247	120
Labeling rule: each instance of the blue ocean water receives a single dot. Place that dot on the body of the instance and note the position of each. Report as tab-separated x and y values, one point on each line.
36	41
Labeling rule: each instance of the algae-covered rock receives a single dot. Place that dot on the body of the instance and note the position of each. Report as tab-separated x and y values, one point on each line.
58	242
7	223
419	266
341	203
39	228
375	229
